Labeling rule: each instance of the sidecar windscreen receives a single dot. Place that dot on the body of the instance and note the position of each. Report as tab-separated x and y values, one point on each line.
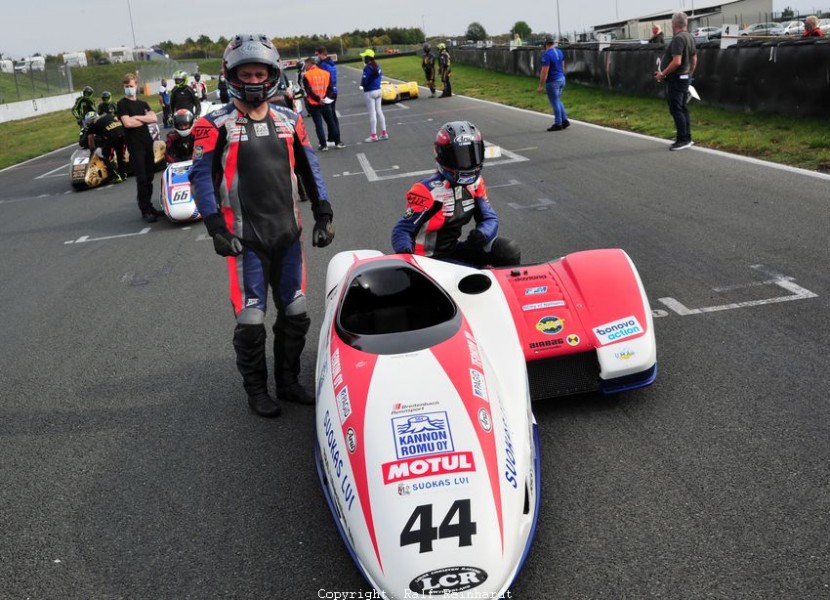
391	307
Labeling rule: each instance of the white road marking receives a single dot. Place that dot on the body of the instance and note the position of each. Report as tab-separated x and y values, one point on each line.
372	173
542	204
796	292
60	168
501	185
85	238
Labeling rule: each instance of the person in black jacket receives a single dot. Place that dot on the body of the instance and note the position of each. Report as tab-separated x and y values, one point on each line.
183	95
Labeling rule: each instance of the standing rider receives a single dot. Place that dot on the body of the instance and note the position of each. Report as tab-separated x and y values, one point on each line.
428	65
83	105
106	106
246	161
183	96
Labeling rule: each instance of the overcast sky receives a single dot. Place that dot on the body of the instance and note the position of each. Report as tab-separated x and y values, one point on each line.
55	26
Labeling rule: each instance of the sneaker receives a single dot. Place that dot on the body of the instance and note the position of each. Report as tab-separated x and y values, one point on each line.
383	136
555	127
566	124
294	392
340	145
149	217
681	145
371	138
264	405
323	149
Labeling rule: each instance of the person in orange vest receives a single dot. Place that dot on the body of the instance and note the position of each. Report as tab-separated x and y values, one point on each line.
319	95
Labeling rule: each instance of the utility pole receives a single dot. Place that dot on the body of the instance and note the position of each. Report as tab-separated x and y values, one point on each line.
558	23
129	10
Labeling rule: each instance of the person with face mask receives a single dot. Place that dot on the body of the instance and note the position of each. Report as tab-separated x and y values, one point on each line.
135	115
247	158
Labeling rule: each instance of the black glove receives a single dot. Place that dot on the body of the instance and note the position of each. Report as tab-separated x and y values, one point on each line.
476	239
323	232
226	244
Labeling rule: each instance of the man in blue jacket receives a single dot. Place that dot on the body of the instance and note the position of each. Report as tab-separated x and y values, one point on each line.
328	64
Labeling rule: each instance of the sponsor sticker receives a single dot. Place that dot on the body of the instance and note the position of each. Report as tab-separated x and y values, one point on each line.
351	440
618	330
536	290
344	405
484	420
472	346
261	129
573	340
550	325
251	302
448	581
419	435
540	305
545	344
625	354
427	466
401	408
180	194
478	384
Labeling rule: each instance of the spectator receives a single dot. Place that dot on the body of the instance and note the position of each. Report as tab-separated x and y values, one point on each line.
552	81
246	161
106	106
318	91
370	84
444	70
439	206
428	65
811	28
681	61
135	115
164	102
327	64
83	105
656	35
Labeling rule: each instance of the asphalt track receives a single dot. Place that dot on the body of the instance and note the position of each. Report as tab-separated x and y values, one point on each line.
130	466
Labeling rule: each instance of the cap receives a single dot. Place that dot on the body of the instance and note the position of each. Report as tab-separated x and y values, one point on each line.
549	39
368	52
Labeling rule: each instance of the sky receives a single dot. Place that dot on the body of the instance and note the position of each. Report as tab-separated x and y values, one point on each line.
57	26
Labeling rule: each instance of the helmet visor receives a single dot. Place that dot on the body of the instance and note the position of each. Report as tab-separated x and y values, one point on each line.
461	155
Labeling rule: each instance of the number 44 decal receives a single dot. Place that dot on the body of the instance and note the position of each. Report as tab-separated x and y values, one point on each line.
464	528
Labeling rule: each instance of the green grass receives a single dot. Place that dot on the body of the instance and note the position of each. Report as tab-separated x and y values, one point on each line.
799	142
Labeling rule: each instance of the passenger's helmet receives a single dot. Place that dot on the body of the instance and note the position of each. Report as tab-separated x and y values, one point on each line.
183	121
459	152
88	91
106	96
90	118
179	77
250	48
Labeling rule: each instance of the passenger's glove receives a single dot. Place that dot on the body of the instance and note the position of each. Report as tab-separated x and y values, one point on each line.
323	232
476	239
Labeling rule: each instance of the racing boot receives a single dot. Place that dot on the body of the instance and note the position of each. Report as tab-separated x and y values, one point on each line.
289	341
249	343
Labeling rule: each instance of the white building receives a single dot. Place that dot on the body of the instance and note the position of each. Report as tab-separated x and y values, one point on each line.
75	59
120	55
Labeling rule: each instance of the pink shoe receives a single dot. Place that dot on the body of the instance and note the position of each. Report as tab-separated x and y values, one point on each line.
384	135
371	138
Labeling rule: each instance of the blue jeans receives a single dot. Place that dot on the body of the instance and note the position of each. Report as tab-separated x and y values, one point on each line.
320	113
554	90
676	95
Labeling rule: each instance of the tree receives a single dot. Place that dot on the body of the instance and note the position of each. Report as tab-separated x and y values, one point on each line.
476	32
522	29
787	13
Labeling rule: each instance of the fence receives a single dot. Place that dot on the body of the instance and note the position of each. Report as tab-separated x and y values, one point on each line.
786	77
19	86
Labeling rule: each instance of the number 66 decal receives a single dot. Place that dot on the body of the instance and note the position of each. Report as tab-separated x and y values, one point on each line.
464	529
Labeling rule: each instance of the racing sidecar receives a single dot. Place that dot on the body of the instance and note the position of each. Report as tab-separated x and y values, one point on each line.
175	197
395	92
426	445
87	169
